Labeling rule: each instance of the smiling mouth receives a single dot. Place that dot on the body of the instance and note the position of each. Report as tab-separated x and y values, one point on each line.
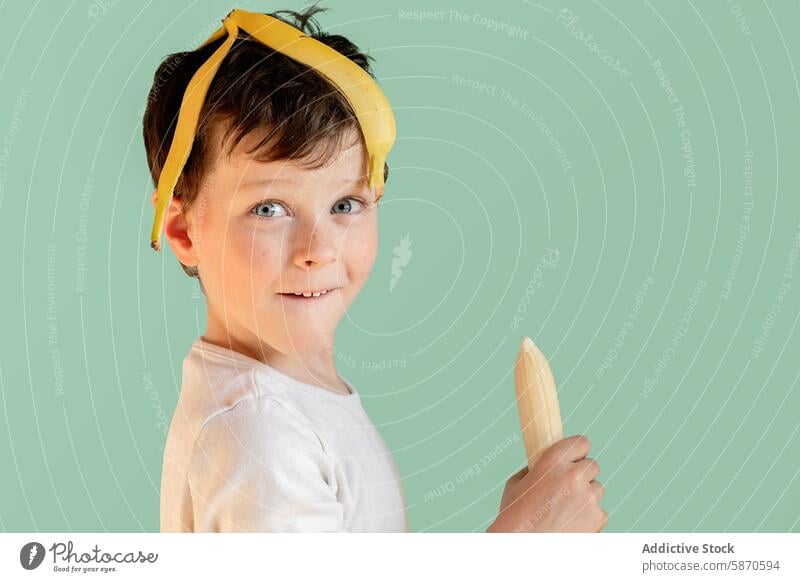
308	294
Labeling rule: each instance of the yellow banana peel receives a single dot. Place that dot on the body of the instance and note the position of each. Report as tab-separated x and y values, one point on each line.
372	109
537	401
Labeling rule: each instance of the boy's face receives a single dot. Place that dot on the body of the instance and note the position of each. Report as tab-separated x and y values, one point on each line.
258	232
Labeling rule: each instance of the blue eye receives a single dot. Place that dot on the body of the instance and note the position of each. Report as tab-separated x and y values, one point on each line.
270	209
345	206
273	209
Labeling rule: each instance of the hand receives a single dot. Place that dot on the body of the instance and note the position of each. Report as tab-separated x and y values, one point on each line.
560	493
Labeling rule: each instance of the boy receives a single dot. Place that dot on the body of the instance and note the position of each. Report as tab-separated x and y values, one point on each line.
273	214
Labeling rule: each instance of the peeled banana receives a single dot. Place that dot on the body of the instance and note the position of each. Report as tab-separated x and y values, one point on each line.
537	401
369	104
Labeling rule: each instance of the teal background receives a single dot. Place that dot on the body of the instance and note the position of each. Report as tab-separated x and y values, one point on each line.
586	162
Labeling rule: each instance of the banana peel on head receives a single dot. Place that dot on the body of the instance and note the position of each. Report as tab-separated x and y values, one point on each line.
537	401
372	109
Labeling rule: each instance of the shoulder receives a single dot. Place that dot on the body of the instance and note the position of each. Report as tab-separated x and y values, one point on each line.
260	420
219	386
259	446
212	384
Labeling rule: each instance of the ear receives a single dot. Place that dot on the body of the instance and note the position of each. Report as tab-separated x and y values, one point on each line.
176	231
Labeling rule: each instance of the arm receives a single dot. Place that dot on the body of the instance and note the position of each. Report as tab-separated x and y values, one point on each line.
258	467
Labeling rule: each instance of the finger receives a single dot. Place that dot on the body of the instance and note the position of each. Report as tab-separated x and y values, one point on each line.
589	468
603	521
572	448
598	490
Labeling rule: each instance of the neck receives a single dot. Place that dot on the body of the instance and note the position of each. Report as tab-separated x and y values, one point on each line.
310	366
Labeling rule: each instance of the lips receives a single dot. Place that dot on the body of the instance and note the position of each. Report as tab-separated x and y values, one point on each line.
308	294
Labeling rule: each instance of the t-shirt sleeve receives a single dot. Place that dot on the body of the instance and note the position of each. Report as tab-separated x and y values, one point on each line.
260	467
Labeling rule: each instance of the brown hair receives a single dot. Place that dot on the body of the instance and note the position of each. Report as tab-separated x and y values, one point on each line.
303	116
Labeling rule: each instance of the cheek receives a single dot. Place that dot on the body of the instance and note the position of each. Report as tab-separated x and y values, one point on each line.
252	257
360	248
239	255
210	231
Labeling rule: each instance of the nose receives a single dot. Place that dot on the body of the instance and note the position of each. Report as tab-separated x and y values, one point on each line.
314	247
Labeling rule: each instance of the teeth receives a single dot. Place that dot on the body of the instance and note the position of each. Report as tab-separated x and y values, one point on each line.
312	294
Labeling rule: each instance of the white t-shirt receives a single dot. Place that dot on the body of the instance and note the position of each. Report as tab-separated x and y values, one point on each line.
252	449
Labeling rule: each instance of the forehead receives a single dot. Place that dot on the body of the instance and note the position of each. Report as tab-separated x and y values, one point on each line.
347	159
